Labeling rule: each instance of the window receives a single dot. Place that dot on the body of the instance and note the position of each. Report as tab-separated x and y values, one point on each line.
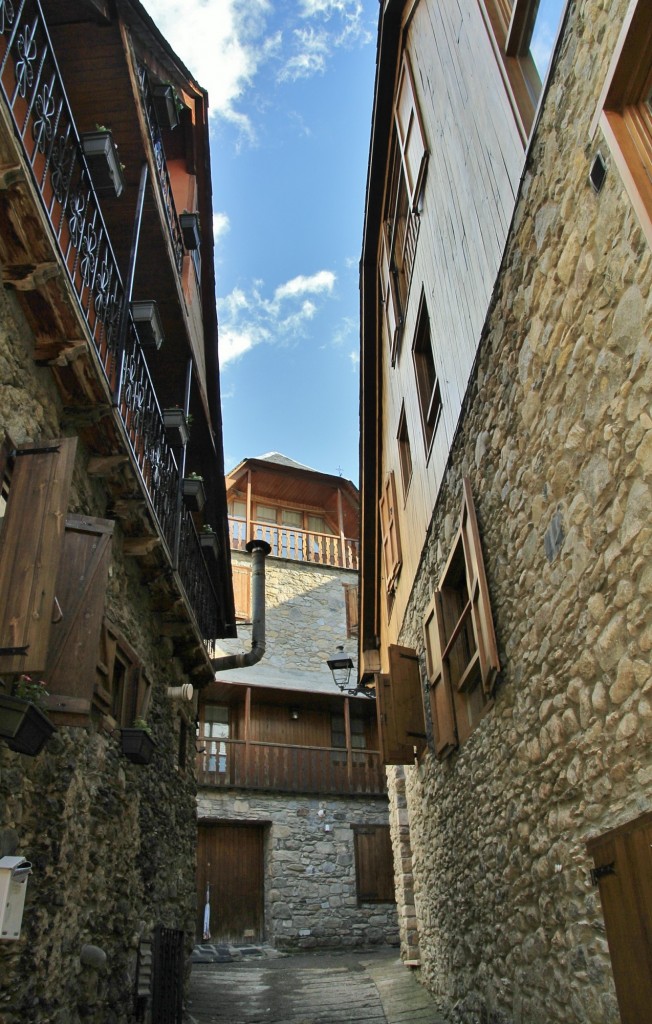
374	866
238	509
265	514
428	388
241	575
122	689
351	605
524	33
407	168
391	540
625	110
358	739
460	642
216	733
404	452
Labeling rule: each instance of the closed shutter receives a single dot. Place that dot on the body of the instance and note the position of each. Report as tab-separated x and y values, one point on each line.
478	588
439	685
351	601
400	708
374	866
30	551
390	532
410	133
242	591
388	295
80	592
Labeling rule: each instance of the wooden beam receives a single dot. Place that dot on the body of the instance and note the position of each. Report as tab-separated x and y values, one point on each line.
105	465
138	547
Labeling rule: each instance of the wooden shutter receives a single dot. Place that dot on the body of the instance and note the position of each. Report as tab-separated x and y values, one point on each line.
390	532
623	871
351	602
400	708
80	592
388	295
374	865
410	133
242	591
30	551
483	626
439	684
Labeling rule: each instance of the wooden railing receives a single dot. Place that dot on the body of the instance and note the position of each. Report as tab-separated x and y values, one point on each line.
298	545
33	92
289	769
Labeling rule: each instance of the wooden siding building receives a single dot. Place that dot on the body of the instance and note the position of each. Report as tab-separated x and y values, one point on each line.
110	602
293	819
504	613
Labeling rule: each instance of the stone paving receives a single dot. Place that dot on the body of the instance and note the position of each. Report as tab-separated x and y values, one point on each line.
258	985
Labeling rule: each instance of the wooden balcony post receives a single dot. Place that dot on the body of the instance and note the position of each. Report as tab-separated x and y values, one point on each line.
347	733
340	519
247	740
248	534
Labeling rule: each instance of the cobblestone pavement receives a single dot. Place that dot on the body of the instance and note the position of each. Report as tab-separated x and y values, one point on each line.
256	985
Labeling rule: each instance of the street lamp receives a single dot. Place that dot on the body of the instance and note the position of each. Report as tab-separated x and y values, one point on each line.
341	665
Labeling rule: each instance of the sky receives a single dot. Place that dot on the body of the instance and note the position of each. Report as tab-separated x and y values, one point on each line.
290	87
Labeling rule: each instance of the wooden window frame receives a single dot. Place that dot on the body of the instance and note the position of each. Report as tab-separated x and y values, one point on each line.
374	866
624	111
404	451
427	379
510	30
133	700
460	693
390	533
242	591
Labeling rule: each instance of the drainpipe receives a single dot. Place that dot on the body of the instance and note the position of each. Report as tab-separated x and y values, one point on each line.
259	549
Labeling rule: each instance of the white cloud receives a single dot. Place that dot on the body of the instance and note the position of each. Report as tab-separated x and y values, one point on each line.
221	224
355	360
249	318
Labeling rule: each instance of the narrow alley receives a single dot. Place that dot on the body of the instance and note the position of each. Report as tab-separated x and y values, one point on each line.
314	988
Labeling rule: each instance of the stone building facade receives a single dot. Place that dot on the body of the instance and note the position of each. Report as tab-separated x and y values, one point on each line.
111	841
554	439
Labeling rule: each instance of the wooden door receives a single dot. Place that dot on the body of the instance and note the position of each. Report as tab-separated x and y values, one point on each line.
230	860
623	871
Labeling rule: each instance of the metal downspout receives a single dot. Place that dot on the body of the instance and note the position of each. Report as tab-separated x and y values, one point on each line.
259	549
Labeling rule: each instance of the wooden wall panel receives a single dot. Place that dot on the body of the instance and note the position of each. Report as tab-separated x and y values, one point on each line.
272	724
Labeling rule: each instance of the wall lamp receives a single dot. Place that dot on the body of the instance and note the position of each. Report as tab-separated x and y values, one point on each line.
341	665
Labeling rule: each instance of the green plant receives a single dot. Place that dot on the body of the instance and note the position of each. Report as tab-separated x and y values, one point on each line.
194	476
140	723
32	690
207	528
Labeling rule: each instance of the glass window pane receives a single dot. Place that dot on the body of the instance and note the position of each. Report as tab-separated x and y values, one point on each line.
544	34
265	514
290	517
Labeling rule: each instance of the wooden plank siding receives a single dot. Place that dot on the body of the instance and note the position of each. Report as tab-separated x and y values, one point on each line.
470	186
230	861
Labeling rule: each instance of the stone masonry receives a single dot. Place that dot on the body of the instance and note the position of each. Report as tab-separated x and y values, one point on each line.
556	437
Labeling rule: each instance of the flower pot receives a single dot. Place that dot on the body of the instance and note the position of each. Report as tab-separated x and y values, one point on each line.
165	105
24	726
209	543
148	323
137	745
176	426
190	230
194	493
103	163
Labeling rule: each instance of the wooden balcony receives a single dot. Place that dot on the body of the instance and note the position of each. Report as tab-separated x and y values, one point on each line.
297	545
282	768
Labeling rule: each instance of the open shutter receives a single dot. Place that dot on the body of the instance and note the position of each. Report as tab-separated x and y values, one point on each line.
390	533
242	591
439	684
483	626
410	133
388	295
30	551
80	592
400	708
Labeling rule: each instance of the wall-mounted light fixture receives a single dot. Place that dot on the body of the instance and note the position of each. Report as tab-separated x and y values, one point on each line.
294	714
341	665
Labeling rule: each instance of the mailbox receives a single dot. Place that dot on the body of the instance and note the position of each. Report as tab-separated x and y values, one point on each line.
14	872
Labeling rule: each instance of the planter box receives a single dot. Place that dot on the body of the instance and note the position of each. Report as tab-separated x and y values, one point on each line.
103	163
176	426
137	745
165	105
209	543
148	323
194	494
190	230
24	726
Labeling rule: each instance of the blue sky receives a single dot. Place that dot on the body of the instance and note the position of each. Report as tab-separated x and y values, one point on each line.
290	87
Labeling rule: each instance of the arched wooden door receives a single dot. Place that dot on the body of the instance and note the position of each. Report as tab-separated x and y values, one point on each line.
230	861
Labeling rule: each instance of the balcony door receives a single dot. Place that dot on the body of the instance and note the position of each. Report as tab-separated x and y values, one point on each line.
230	866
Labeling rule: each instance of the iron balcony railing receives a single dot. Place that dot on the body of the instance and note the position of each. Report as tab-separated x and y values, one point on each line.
32	87
289	769
297	545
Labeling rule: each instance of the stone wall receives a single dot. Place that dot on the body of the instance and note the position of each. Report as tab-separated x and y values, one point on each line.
556	437
310	887
112	844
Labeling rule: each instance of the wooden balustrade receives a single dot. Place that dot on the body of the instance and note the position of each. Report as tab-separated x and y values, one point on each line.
289	769
298	545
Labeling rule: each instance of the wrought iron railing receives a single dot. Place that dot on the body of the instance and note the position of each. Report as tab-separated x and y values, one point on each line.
286	768
32	87
297	545
161	167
